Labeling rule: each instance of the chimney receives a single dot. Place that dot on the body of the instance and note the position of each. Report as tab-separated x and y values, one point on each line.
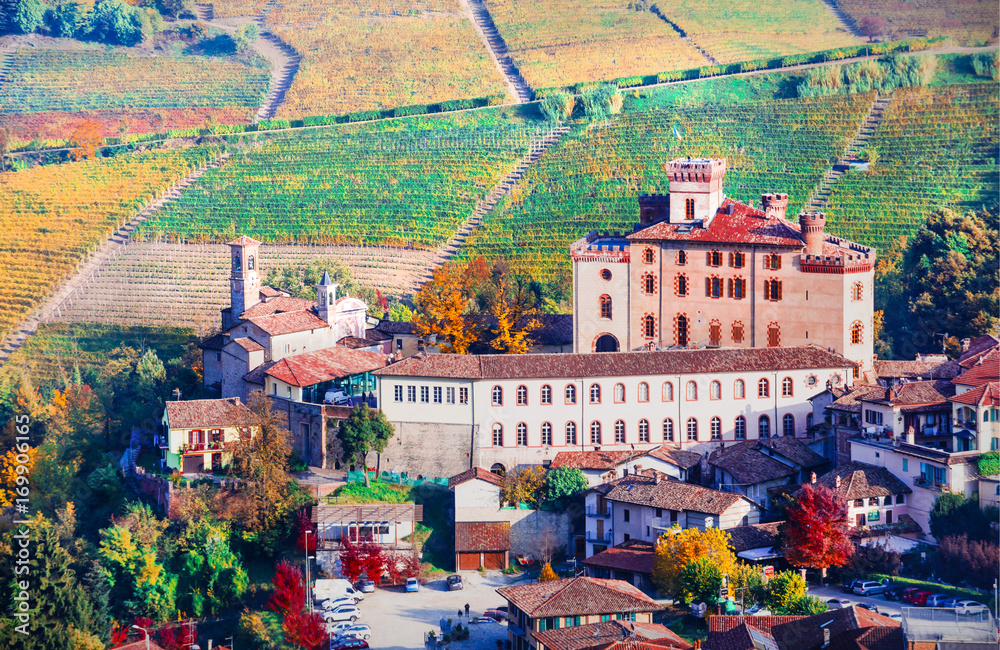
836	482
812	478
774	205
965	344
909	435
656	478
812	224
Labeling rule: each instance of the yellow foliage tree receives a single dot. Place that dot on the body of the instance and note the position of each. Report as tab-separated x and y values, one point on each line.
547	573
85	140
9	474
441	307
524	486
510	302
676	548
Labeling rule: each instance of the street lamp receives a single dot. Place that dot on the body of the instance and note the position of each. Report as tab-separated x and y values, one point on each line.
144	631
308	595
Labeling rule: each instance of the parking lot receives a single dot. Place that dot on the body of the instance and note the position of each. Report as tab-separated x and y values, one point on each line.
834	591
399	620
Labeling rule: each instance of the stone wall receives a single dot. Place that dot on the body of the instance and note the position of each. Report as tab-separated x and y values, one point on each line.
429	450
527	527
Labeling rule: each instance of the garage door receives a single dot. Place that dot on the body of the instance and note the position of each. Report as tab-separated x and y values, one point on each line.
193	464
494	560
468	561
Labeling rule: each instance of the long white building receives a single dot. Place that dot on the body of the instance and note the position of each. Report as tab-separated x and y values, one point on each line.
524	409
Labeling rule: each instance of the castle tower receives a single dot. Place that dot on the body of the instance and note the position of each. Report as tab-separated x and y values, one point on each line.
326	296
695	188
812	224
774	205
244	280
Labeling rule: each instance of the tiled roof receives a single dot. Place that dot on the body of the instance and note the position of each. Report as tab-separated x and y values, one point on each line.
633	555
482	536
475	473
396	327
807	632
677	457
740	637
873	638
323	365
748	465
249	344
984	395
672	495
862	481
796	451
208	413
513	366
578	597
354	343
914	393
745	226
243	240
593	459
257	375
916	369
609	634
141	645
555	329
849	403
214	342
271	292
726	622
377	335
289	322
986	369
978	347
283	304
744	538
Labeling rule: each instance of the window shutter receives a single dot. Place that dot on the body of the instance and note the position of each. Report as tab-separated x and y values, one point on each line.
729	287
708	287
778	288
767	289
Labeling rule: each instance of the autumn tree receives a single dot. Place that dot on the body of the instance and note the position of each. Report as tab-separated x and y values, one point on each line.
677	548
511	300
974	561
374	558
4	147
441	306
352	561
547	574
85	140
784	589
872	26
289	591
304	524
402	565
523	486
365	430
305	630
815	533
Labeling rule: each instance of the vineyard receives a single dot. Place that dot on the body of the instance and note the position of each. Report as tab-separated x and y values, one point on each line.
969	22
51	216
232	8
935	147
187	284
590	180
347	185
363	56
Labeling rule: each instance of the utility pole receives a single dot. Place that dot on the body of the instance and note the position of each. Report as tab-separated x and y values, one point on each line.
308	592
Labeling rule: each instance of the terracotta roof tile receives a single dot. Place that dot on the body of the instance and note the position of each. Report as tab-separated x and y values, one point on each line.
289	322
396	327
354	343
610	634
744	538
739	637
257	375
862	481
601	460
324	365
248	344
672	495
985	370
978	347
916	369
914	393
482	536
475	473
984	395
745	226
511	366
677	457
271	292
283	304
750	462
214	342
849	401
633	555
207	413
243	240
807	632
578	597
724	623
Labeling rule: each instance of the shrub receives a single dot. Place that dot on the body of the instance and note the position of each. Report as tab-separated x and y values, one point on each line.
558	106
67	20
404	111
673	75
601	101
28	16
629	82
495	100
245	36
989	463
457	104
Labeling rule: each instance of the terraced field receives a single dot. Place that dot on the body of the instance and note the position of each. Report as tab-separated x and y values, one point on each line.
362	56
590	180
348	185
969	22
936	147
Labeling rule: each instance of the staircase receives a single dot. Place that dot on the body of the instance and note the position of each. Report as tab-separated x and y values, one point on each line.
447	251
204	12
487	31
282	75
846	21
820	198
6	61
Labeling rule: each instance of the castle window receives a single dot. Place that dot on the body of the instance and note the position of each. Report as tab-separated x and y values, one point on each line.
741	427
668	391
713	287
715	390
571	433
786	387
595	393
857	291
605	274
763	427
773	335
649	284
647	256
546	394
605	306
772	290
522	434
668	430
619	393
682	258
737	331
681	285
643	392
546	433
772	262
649	327
237	263
857	331
714	258
788	425
739	389
595	433
250	263
497	396
498	435
737	288
689	209
715	333
692	391
737	260
522	395
643	430
682	330
570	393
620	431
692	427
716	429
763	388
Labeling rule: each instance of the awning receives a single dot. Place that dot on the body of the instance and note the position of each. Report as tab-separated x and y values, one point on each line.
897	543
760	554
965	433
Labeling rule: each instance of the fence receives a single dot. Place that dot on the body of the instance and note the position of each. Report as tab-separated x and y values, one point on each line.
399	479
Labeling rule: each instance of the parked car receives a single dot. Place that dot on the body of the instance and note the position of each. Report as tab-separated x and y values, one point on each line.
337	397
869	588
849	586
496	614
838	603
893	592
952	602
348	644
894	615
483	619
920	598
455	583
907	594
936	600
334	603
967	607
334	629
412	584
366	586
871	607
357	630
342	613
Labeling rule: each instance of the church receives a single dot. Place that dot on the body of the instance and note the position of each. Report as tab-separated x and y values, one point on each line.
703	270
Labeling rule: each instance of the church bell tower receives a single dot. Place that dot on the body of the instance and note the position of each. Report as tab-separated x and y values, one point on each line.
244	280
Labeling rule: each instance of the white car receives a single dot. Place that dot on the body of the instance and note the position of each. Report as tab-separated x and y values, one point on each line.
342	613
357	631
335	629
334	603
967	607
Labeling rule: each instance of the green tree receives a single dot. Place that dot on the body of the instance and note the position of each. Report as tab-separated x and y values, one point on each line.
561	485
140	585
116	22
211	574
67	19
245	36
803	606
28	16
956	513
783	590
748	581
558	106
700	580
365	430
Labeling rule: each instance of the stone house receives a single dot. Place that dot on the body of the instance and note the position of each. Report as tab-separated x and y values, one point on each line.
752	468
200	435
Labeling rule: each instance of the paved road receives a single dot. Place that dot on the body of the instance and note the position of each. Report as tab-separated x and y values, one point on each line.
834	591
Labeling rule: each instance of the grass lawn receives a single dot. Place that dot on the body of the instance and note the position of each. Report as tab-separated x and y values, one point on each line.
377	493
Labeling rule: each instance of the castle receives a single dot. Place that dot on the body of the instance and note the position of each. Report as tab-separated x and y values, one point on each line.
703	270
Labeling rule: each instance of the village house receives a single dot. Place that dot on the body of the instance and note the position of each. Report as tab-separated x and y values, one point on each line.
200	435
930	367
873	495
702	269
850	628
570	602
603	466
631	561
757	543
753	467
612	635
384	524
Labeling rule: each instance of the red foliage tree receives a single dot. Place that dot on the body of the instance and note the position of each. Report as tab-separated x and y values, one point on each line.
401	566
352	560
119	634
814	534
303	523
85	140
177	638
872	26
305	630
289	590
373	559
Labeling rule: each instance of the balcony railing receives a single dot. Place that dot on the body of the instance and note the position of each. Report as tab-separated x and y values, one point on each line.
964	424
663	523
596	511
929	483
599	538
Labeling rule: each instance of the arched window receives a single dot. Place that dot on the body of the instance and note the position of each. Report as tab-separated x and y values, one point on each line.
647	256
809	420
546	433
763	427
522	434
619	393
649	283
595	393
857	332
715	333
692	391
772	262
713	287
788	425
715	390
681	285
498	435
714	258
546	394
682	330
571	393
522	395
736	288
763	388
737	260
620	431
643	430
668	430
682	258
649	327
668	391
250	262
498	469
497	396
773	335
605	306
689	209
692	427
595	433
740	389
740	427
716	429
643	392
571	433
787	387
772	290
857	291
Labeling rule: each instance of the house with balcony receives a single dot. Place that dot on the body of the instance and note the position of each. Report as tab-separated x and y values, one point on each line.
976	417
754	467
919	410
200	435
874	496
631	561
568	603
642	506
840	408
601	466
